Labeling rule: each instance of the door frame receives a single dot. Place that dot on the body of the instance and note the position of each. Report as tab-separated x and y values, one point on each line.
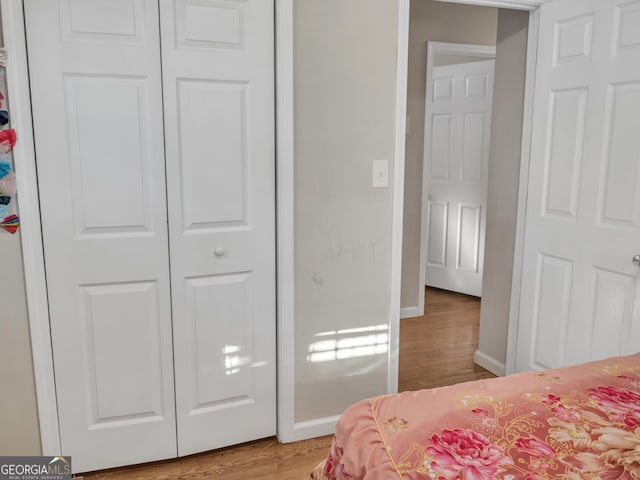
31	232
433	48
533	7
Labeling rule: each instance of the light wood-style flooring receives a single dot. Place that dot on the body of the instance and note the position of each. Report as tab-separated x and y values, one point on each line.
435	350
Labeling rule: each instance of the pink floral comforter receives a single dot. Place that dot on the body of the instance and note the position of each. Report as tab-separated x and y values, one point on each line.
572	423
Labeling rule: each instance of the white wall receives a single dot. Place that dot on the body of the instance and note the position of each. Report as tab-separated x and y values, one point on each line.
344	74
504	174
441	22
19	431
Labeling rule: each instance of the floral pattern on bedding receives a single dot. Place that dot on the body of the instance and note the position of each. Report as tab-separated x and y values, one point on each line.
332	467
574	423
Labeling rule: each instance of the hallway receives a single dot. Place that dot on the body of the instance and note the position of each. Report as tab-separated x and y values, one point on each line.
437	349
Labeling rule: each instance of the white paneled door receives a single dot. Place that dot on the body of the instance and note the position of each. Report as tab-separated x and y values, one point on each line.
157	262
218	72
580	288
97	104
457	133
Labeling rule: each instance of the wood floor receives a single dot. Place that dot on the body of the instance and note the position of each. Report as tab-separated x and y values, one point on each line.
265	459
435	350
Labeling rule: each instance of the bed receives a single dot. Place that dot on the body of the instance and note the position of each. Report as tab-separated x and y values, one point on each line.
572	423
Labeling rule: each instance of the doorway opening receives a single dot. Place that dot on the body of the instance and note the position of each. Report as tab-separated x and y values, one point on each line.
470	337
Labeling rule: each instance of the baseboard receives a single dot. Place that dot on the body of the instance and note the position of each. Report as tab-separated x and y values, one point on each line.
409	312
491	364
313	428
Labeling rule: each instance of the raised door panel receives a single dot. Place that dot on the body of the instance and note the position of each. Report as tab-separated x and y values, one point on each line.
612	313
219	98
108	134
564	151
213	151
627	28
441	147
438	218
477	86
468	251
475	149
442	89
100	21
619	191
97	111
211	24
220	360
573	39
125	382
552	295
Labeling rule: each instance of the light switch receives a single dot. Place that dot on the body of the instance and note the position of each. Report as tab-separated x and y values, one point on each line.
380	173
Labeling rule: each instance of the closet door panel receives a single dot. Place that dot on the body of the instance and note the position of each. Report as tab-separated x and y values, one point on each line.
97	108
212	124
117	107
218	69
219	359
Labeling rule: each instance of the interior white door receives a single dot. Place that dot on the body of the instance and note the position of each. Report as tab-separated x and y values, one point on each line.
218	75
457	133
97	110
580	290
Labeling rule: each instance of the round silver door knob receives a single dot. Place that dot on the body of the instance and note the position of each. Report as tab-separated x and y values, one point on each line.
219	252
636	260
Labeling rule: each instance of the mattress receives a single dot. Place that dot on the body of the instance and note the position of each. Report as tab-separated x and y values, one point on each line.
573	423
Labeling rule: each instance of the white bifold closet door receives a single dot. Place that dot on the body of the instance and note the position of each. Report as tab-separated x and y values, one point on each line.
218	78
160	274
